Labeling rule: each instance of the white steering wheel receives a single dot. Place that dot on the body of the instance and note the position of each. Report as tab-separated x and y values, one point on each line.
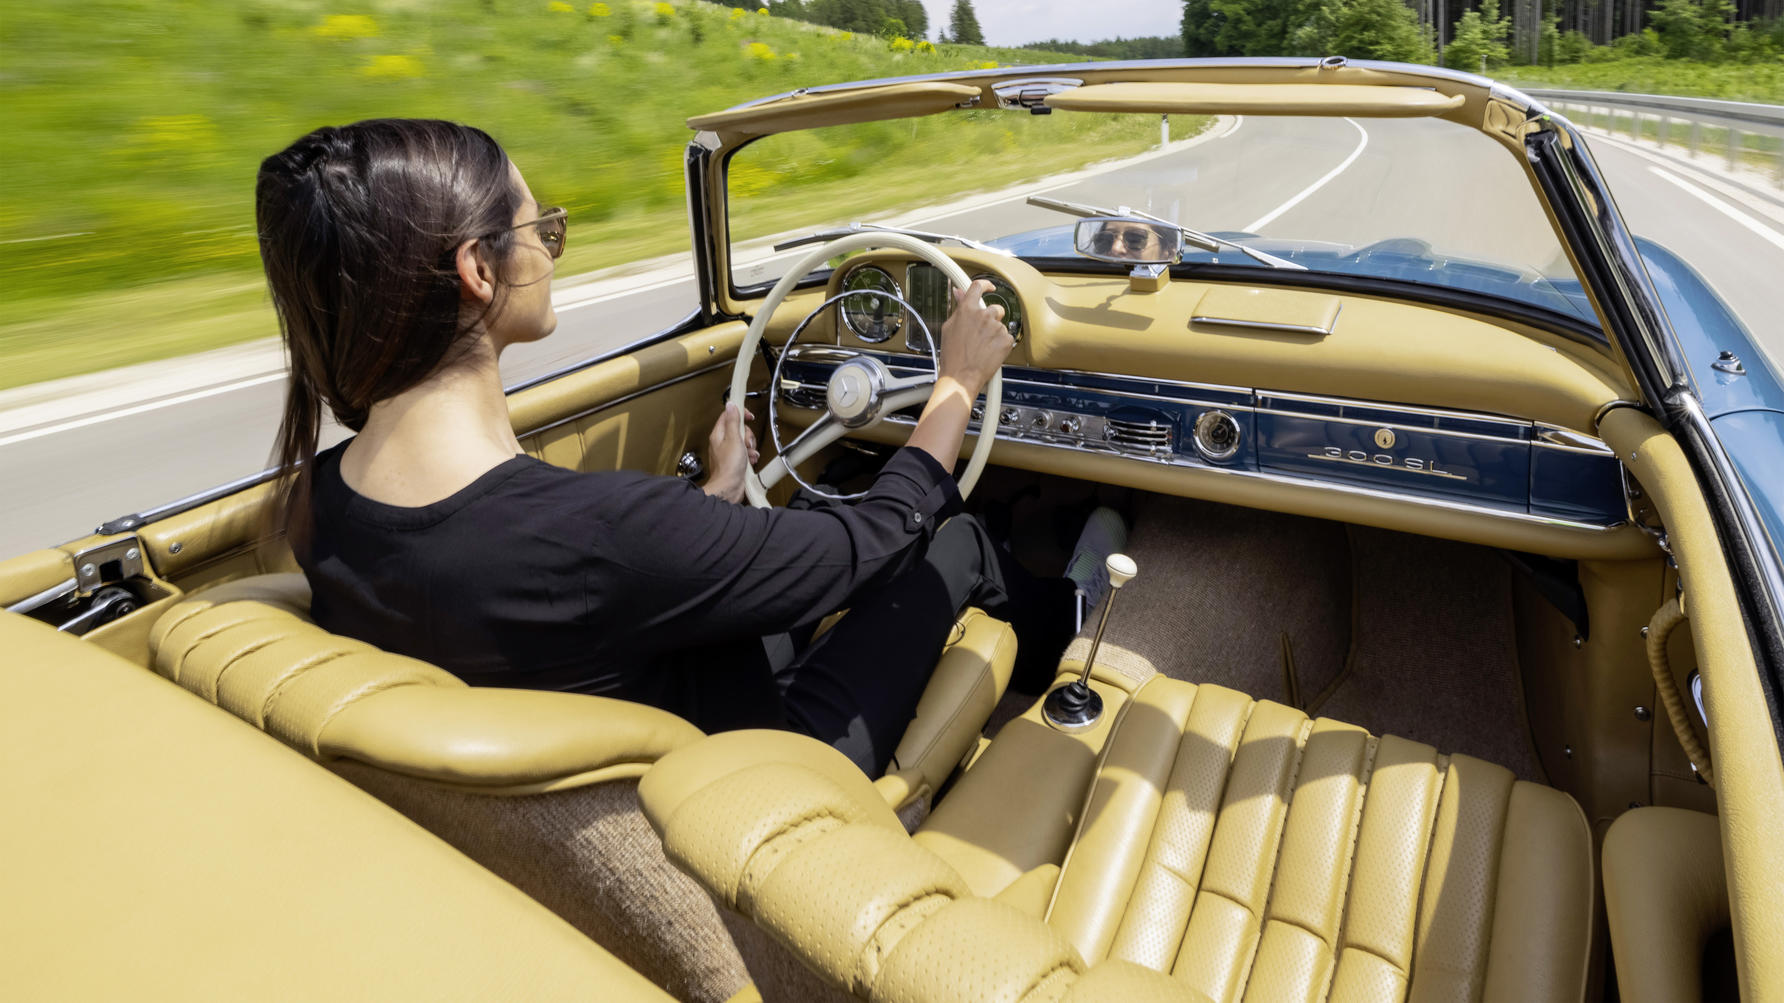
861	391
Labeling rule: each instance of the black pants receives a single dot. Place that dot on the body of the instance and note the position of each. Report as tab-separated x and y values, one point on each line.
856	686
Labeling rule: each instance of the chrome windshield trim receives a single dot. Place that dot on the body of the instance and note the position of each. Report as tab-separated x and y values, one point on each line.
61	590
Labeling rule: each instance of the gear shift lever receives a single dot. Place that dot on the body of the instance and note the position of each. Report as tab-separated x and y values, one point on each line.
1075	706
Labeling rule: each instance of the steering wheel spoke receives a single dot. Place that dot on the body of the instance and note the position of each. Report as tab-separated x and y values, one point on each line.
860	392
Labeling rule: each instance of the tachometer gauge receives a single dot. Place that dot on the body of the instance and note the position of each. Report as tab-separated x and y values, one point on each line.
873	318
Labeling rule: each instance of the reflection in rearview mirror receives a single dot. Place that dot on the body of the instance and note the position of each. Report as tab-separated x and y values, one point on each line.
1128	241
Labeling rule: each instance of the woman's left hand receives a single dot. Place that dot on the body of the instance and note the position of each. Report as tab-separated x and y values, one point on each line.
732	450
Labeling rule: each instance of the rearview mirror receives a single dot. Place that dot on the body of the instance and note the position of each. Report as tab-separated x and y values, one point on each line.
1128	241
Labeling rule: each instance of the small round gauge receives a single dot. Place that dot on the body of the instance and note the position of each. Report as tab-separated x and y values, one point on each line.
873	318
1002	295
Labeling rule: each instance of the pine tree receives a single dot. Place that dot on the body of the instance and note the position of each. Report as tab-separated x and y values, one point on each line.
963	25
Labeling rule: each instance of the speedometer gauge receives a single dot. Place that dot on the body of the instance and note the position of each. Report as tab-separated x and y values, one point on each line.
873	318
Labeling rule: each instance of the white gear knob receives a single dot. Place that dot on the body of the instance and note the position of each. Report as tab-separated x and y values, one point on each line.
1121	570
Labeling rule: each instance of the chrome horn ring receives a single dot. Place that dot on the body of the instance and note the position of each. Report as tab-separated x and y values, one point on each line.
853	395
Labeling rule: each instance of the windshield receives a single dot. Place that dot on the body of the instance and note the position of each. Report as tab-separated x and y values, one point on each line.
1416	200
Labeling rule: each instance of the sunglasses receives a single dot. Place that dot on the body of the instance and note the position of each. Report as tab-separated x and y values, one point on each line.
1133	241
554	228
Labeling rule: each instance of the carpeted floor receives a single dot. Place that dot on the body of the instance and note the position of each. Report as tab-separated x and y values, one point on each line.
1401	634
1435	656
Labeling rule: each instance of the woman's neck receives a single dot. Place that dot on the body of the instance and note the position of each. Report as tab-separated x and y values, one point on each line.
435	438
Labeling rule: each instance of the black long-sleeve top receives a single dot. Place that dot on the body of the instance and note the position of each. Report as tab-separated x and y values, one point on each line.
621	583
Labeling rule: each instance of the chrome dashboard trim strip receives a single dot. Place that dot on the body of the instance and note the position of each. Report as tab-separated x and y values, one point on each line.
1422	429
1404	408
1526	518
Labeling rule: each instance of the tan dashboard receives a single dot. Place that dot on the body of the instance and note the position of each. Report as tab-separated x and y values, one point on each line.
1354	407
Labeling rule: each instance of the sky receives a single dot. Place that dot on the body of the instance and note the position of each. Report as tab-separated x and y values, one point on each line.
1015	22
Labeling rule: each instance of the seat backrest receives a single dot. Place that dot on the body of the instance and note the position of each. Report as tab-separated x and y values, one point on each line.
540	787
161	851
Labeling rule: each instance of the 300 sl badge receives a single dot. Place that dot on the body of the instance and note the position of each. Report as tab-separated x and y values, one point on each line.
1410	464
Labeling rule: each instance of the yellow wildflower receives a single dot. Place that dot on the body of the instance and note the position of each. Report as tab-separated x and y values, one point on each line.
848	36
901	45
560	7
737	14
762	11
665	12
346	27
393	68
758	50
987	64
926	47
616	39
600	10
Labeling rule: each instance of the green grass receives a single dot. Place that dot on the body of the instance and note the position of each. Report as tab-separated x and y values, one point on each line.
133	129
1762	82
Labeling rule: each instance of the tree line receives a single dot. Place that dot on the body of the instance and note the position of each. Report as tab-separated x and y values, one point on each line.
1481	34
891	18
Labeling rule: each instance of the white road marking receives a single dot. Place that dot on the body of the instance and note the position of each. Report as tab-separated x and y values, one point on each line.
1267	218
1765	232
95	419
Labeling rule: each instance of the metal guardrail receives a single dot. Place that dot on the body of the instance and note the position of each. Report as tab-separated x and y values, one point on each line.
1699	120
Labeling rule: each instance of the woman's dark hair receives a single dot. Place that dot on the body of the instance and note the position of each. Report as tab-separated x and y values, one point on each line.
359	229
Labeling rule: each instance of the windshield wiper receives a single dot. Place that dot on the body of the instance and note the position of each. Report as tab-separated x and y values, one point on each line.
1197	238
853	228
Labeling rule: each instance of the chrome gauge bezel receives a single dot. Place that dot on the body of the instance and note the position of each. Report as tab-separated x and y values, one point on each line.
1206	421
894	325
1015	320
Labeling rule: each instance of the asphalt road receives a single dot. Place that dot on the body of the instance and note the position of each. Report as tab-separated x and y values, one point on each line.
1339	180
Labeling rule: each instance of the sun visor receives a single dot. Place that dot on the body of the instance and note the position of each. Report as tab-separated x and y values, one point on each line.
812	111
1174	98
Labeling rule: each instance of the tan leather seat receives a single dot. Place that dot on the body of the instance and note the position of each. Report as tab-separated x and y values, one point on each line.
157	850
540	787
1235	846
1666	896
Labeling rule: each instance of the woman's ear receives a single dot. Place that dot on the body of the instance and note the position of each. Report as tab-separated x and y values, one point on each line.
476	280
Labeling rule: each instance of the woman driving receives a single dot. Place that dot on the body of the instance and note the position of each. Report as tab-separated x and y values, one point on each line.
403	256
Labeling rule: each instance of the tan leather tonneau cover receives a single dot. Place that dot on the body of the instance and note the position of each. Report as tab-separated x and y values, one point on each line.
812	111
1174	97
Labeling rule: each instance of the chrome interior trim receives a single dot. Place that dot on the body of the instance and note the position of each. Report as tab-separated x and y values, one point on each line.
1267	325
1434	412
1608	407
1161	382
1556	437
1447	432
1442	504
60	590
634	395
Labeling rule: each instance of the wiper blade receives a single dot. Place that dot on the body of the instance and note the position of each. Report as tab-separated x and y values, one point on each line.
1197	238
823	236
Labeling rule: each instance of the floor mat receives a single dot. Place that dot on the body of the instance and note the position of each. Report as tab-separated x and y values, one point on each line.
1435	657
1230	595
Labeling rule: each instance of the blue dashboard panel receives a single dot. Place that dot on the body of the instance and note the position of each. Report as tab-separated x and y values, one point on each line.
1466	467
1481	461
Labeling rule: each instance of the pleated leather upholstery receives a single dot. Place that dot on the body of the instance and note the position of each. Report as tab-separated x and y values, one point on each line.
1258	855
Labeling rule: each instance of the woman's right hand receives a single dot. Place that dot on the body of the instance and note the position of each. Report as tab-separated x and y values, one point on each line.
974	340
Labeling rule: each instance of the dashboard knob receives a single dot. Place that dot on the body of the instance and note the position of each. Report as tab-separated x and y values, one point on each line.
1070	425
978	412
1041	419
1010	416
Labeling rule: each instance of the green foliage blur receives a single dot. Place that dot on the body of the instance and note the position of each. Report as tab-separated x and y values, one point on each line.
1702	31
963	24
887	18
1149	47
134	129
